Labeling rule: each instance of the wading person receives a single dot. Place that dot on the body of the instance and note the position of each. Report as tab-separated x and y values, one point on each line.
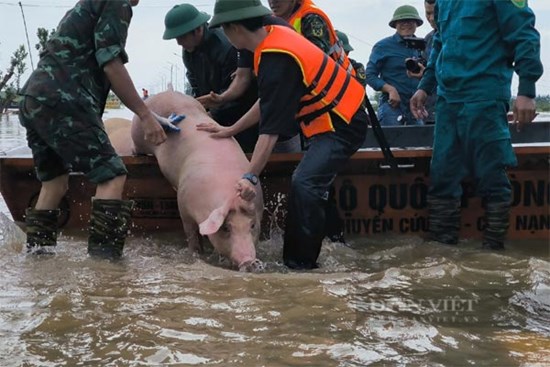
313	23
291	71
63	102
475	57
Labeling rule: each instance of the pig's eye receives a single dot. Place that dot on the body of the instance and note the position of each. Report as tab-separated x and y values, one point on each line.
253	225
225	228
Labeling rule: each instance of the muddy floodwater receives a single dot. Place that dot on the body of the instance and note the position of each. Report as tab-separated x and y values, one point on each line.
383	301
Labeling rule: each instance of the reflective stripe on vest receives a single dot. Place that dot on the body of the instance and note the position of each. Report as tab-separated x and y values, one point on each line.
336	50
329	88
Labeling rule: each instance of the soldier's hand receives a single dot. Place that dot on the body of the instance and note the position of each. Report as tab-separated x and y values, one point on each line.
169	123
152	130
524	111
417	104
211	100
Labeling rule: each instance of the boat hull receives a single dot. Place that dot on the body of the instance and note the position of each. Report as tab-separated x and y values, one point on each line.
371	197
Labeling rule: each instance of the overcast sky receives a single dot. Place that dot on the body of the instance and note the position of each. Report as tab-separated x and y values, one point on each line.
154	61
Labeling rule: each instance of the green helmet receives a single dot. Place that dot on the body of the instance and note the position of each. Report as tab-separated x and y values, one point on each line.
406	12
226	11
345	41
182	19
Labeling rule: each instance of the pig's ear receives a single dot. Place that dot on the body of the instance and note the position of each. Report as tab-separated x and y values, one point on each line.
214	221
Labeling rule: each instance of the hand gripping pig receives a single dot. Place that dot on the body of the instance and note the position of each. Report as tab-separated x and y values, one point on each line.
204	170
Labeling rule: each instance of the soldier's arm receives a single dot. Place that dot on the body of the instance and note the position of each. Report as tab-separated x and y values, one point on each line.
123	86
517	27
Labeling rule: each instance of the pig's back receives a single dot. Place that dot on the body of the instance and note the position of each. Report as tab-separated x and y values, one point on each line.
192	158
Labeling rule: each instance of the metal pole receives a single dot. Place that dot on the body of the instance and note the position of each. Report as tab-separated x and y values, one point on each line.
27	34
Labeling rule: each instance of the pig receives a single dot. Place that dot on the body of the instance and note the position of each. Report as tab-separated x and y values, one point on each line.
204	171
118	130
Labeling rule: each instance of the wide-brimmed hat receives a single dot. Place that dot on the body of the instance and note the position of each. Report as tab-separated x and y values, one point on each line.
406	12
226	11
182	19
345	41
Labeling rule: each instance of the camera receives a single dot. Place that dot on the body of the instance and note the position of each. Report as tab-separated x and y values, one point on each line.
419	44
412	64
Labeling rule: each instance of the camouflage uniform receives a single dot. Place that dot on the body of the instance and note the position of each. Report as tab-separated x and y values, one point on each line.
63	102
315	29
359	72
66	94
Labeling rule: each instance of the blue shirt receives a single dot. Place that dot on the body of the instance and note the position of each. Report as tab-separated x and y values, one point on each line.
387	66
478	46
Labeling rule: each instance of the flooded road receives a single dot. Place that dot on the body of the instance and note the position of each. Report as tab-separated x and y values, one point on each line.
385	300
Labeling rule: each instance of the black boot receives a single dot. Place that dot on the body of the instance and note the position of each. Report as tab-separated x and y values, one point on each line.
497	218
41	227
300	252
109	224
334	224
444	220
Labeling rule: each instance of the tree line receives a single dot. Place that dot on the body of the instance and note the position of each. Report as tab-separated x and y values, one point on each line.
10	78
543	103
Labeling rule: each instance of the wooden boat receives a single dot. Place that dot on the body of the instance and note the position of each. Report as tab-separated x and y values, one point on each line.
371	197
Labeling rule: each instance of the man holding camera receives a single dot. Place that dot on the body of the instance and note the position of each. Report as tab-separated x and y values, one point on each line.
387	71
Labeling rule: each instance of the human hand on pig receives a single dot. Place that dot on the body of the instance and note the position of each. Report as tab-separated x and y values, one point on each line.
245	189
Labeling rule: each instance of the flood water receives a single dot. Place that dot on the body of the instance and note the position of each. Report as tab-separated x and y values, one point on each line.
382	301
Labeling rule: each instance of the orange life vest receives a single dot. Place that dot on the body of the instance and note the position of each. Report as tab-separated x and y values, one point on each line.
336	47
329	87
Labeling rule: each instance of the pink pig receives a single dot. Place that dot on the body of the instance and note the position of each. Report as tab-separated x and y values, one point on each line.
204	171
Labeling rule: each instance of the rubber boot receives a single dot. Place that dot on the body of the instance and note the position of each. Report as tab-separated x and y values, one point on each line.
41	227
300	251
444	220
334	224
497	218
301	255
109	224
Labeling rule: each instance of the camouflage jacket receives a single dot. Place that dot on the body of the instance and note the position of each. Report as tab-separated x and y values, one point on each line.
359	72
70	69
316	30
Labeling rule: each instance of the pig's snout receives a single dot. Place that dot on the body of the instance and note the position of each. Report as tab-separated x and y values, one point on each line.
254	266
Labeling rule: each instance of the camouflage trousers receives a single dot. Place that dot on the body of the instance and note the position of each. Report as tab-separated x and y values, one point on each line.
67	137
41	229
109	224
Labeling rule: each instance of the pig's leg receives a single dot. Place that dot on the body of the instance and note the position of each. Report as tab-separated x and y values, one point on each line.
191	230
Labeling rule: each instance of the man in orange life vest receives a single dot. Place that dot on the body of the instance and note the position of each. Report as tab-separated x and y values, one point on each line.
300	87
312	23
